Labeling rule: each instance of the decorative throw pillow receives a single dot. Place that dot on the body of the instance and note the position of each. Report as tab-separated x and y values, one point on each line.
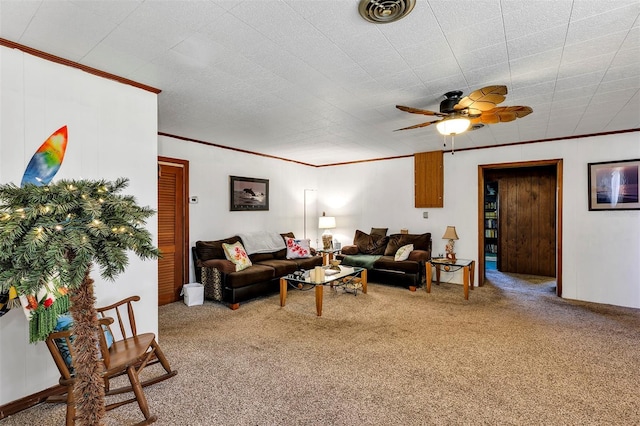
378	232
403	252
64	323
236	253
368	244
297	249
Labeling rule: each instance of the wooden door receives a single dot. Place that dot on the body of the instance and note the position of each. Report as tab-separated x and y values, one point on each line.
173	238
527	224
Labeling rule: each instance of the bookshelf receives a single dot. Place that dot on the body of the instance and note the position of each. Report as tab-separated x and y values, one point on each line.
491	221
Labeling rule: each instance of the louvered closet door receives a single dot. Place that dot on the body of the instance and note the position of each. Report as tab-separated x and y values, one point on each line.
171	231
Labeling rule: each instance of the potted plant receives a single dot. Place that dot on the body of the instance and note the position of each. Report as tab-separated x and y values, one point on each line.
51	236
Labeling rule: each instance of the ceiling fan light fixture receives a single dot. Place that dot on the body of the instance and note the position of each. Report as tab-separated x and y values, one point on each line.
453	125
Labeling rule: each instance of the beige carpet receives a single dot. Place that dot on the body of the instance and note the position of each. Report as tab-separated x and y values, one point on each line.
513	354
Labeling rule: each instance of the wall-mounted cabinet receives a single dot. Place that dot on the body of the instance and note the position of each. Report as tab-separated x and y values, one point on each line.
429	179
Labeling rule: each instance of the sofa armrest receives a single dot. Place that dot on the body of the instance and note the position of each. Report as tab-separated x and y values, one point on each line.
350	249
420	256
223	265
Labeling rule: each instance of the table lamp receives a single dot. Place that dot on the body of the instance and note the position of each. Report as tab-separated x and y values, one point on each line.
326	223
451	235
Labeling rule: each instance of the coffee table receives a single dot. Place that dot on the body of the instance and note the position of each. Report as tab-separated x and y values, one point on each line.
345	278
468	269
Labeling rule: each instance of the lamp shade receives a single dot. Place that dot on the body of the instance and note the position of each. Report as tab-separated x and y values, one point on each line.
450	233
453	126
326	222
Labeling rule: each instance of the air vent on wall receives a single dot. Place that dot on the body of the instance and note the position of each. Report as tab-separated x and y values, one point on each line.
385	11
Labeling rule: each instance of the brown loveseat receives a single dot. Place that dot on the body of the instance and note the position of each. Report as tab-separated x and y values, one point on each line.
376	251
222	282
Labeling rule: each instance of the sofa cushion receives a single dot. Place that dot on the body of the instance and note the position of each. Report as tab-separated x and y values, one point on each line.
419	241
308	262
259	257
297	248
252	275
213	249
368	244
236	253
389	263
281	266
403	252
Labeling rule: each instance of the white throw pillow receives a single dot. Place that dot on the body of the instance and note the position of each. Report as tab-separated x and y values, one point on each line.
403	252
297	249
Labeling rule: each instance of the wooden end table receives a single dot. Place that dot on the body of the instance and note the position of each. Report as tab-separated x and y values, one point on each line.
327	255
468	271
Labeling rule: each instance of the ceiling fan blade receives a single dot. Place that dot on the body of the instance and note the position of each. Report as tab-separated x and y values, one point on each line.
521	111
417	126
420	111
483	99
504	114
489	117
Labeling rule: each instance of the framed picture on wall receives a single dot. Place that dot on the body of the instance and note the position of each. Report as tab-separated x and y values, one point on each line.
613	185
248	194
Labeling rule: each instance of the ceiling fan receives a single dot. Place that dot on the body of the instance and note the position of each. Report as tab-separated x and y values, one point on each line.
471	112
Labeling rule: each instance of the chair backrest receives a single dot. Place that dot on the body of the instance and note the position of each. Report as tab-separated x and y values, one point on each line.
60	345
123	317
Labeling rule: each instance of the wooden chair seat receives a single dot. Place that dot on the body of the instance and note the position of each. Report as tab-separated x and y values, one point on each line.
130	351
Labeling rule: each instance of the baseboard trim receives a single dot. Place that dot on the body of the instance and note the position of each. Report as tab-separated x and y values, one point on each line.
29	401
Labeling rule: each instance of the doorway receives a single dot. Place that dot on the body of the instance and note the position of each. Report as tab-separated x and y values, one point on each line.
173	228
524	232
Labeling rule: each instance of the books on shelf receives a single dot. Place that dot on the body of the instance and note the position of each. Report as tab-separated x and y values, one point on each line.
491	233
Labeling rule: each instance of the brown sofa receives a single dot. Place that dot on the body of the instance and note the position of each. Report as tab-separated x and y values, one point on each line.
222	282
376	251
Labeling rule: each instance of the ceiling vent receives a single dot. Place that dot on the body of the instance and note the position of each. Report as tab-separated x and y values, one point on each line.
385	11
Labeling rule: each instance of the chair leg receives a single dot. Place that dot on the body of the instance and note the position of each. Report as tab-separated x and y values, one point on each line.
160	355
140	396
71	407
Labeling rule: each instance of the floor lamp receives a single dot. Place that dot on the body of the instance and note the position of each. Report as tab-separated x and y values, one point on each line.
304	214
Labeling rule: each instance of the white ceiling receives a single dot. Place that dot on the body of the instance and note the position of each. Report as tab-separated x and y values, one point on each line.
312	81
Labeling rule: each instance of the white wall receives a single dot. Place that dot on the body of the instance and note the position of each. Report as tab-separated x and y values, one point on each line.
600	248
112	133
209	171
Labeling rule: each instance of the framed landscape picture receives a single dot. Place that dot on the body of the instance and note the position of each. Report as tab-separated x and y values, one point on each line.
248	193
613	185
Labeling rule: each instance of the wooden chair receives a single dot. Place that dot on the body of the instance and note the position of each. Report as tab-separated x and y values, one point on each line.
129	355
125	321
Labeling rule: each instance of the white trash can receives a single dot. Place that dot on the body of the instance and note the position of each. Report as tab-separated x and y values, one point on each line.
193	294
